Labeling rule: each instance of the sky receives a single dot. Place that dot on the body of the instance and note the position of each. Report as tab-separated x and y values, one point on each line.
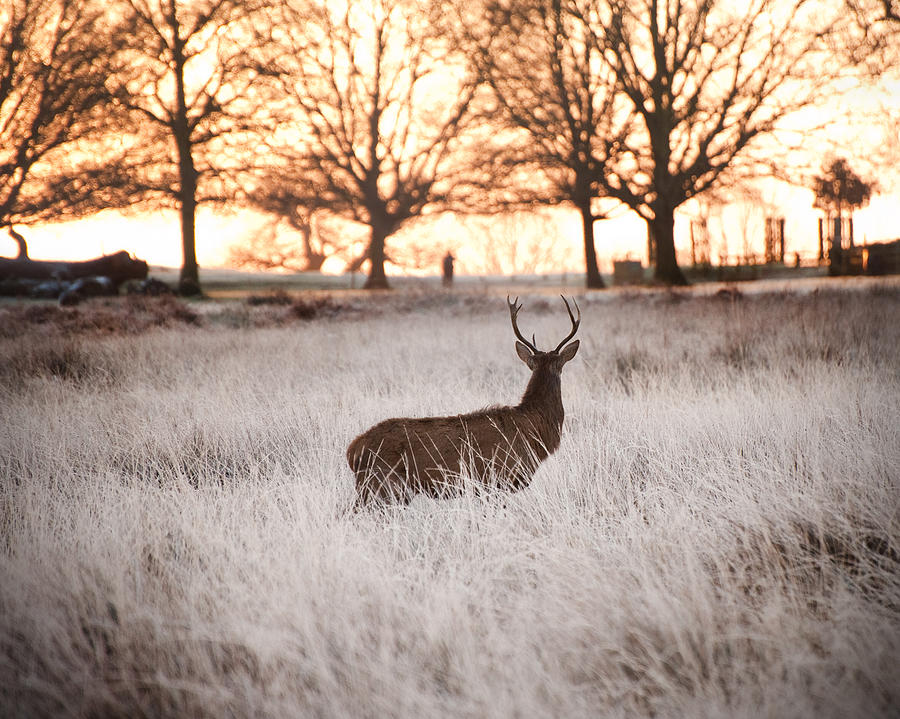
155	237
864	133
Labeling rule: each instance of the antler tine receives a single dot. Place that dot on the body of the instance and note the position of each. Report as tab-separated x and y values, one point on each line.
575	322
514	308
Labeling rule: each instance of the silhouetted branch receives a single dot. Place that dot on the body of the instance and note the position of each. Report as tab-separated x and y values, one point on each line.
555	102
369	139
702	82
190	88
55	59
20	241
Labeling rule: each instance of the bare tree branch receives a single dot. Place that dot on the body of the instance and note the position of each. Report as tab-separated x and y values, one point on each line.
55	58
374	107
555	96
189	87
703	81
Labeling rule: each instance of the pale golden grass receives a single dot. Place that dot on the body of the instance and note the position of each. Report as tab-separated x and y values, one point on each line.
716	536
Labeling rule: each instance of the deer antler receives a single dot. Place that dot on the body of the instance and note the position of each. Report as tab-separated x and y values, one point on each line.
575	322
514	308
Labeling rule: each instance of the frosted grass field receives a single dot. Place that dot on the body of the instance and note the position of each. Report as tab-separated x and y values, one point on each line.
717	536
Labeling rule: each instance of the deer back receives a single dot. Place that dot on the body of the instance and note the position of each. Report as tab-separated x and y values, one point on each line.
404	456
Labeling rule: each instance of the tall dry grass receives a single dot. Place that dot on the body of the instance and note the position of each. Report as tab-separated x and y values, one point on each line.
716	536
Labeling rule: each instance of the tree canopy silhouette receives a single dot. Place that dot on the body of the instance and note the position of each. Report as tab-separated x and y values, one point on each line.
545	71
189	94
699	81
55	59
373	106
840	189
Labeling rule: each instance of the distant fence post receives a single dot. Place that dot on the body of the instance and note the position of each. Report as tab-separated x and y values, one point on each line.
774	229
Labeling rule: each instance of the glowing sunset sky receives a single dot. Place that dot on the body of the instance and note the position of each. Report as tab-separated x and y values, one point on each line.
156	238
865	133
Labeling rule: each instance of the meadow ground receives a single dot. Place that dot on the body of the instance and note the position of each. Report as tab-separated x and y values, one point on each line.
717	535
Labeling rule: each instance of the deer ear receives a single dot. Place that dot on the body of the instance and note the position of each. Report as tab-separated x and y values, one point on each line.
525	354
568	352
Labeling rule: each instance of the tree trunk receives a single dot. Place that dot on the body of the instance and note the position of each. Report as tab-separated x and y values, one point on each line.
313	260
189	283
821	240
594	280
663	228
376	280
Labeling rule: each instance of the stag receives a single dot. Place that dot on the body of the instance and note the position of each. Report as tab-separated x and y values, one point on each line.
497	446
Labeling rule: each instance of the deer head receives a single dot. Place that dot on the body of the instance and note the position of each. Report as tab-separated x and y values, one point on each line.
551	361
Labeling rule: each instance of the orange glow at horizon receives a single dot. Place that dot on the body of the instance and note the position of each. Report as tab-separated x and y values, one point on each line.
155	237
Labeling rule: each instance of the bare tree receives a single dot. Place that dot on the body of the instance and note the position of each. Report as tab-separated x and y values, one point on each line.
872	39
515	243
301	205
265	250
55	58
312	238
189	93
375	109
544	66
839	191
700	82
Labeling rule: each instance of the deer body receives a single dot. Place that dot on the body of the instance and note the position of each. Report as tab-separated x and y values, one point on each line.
399	458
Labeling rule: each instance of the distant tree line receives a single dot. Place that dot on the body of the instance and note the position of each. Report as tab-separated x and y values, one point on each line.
382	112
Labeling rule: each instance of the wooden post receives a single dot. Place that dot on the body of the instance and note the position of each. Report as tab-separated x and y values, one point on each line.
693	246
781	240
821	239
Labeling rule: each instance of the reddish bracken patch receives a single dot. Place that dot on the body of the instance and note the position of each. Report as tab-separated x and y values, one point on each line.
118	315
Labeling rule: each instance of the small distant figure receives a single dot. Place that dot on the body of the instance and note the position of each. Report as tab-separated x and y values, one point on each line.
448	269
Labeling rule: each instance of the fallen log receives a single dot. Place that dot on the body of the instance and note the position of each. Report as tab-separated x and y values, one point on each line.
118	267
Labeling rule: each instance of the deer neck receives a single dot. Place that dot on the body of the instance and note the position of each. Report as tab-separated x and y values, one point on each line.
544	394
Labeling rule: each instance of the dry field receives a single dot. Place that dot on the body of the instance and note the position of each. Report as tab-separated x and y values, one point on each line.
717	536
